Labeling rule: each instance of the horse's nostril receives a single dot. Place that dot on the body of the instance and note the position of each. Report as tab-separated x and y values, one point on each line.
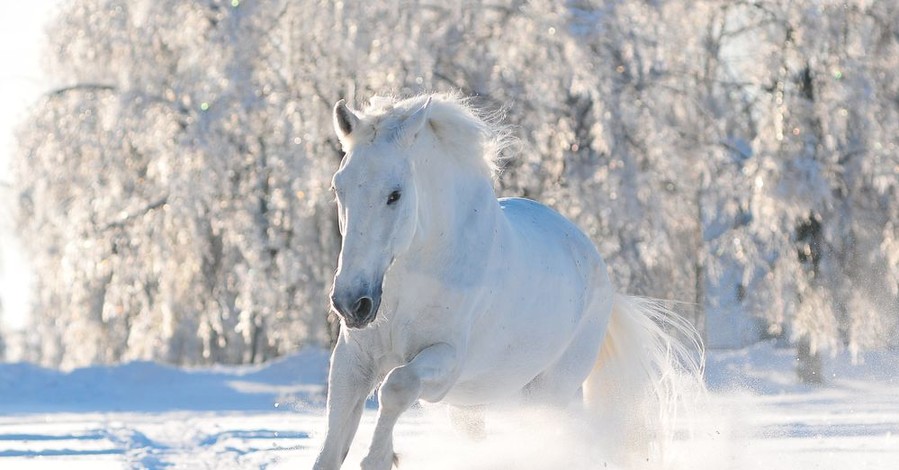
362	307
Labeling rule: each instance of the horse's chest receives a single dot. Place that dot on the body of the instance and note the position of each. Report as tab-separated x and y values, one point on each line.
433	324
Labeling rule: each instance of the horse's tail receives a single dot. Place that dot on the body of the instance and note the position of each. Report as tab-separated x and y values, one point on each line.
650	361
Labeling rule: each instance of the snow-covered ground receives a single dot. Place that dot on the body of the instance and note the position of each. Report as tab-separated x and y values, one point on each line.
145	415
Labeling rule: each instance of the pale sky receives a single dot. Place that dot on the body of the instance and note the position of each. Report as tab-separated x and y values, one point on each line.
22	80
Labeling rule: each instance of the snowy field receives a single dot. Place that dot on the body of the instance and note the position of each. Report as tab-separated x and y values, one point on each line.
144	415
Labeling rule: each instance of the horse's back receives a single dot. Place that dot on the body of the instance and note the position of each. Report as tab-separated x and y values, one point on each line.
541	230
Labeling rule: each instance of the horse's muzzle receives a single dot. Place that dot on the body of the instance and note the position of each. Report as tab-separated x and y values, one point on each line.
357	311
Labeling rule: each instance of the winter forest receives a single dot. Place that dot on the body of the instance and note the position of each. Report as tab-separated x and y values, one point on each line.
737	157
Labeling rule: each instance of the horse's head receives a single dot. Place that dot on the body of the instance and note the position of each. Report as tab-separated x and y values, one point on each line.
376	204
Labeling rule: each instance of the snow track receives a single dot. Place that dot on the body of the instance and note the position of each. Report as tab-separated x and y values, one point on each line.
144	415
153	440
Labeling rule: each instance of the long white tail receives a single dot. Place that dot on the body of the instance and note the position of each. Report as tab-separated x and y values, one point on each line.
650	361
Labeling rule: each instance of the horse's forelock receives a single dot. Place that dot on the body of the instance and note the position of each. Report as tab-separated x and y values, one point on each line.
459	127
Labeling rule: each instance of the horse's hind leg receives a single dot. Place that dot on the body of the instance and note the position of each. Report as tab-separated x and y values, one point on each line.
559	384
427	376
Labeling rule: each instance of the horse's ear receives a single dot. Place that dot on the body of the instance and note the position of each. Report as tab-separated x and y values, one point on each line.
409	129
344	120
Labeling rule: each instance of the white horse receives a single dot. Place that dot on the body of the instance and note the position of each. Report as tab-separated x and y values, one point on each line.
448	294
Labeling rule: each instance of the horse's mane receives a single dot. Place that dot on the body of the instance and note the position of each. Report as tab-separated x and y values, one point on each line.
474	138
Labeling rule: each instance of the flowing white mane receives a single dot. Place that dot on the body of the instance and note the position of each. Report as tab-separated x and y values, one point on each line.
464	132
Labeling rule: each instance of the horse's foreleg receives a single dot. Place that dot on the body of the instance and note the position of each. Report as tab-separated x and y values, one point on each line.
348	386
429	375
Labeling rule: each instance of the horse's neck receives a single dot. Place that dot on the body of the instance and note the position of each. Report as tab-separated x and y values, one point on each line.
459	214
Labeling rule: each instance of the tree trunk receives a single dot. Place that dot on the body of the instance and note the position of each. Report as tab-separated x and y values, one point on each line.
808	363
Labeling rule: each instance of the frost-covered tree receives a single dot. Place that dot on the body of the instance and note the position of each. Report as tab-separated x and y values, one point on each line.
5	232
739	156
822	181
175	213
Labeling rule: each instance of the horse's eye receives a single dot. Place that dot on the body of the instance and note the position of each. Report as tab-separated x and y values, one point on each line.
393	197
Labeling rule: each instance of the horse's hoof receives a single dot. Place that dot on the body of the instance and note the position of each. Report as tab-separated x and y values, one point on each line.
370	463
